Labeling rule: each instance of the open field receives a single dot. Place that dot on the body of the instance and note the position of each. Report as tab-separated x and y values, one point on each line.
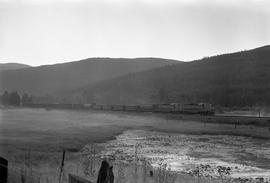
38	136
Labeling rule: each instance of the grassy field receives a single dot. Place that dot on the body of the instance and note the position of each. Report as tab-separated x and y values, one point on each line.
33	139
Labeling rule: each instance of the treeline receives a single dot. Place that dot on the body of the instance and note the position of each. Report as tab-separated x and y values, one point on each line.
14	99
231	80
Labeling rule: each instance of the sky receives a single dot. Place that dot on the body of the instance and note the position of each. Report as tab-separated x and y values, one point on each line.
39	32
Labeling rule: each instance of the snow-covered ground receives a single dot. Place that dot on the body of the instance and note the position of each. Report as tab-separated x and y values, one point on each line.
243	157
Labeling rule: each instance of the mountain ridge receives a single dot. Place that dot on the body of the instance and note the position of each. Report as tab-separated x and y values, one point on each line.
12	66
239	78
47	79
232	79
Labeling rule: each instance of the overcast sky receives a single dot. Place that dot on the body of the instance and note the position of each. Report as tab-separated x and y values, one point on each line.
38	32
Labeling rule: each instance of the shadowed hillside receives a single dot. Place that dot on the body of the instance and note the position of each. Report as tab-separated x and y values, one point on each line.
61	77
12	66
237	79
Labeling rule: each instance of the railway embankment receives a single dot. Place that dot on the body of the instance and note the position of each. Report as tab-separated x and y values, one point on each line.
168	112
236	120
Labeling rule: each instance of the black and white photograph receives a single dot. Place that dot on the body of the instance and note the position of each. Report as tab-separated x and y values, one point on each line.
134	91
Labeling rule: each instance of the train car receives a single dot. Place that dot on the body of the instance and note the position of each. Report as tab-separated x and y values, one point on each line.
87	106
192	108
145	108
65	106
131	108
78	106
118	107
201	108
163	108
177	107
97	107
107	107
207	109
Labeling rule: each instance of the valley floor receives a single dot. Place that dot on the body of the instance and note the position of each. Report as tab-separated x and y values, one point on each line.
33	139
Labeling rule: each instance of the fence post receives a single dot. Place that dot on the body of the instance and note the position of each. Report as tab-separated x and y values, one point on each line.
3	170
62	166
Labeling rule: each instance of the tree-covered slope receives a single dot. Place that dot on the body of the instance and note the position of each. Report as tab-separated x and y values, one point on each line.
237	79
48	79
12	66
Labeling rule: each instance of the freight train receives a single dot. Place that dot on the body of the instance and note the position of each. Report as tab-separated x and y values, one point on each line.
193	108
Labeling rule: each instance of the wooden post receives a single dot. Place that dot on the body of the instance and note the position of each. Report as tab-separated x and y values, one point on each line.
3	170
62	166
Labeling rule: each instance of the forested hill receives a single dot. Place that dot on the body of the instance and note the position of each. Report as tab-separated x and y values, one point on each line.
48	79
12	66
237	79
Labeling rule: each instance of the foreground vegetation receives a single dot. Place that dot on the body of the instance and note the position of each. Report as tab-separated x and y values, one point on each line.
86	165
33	140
